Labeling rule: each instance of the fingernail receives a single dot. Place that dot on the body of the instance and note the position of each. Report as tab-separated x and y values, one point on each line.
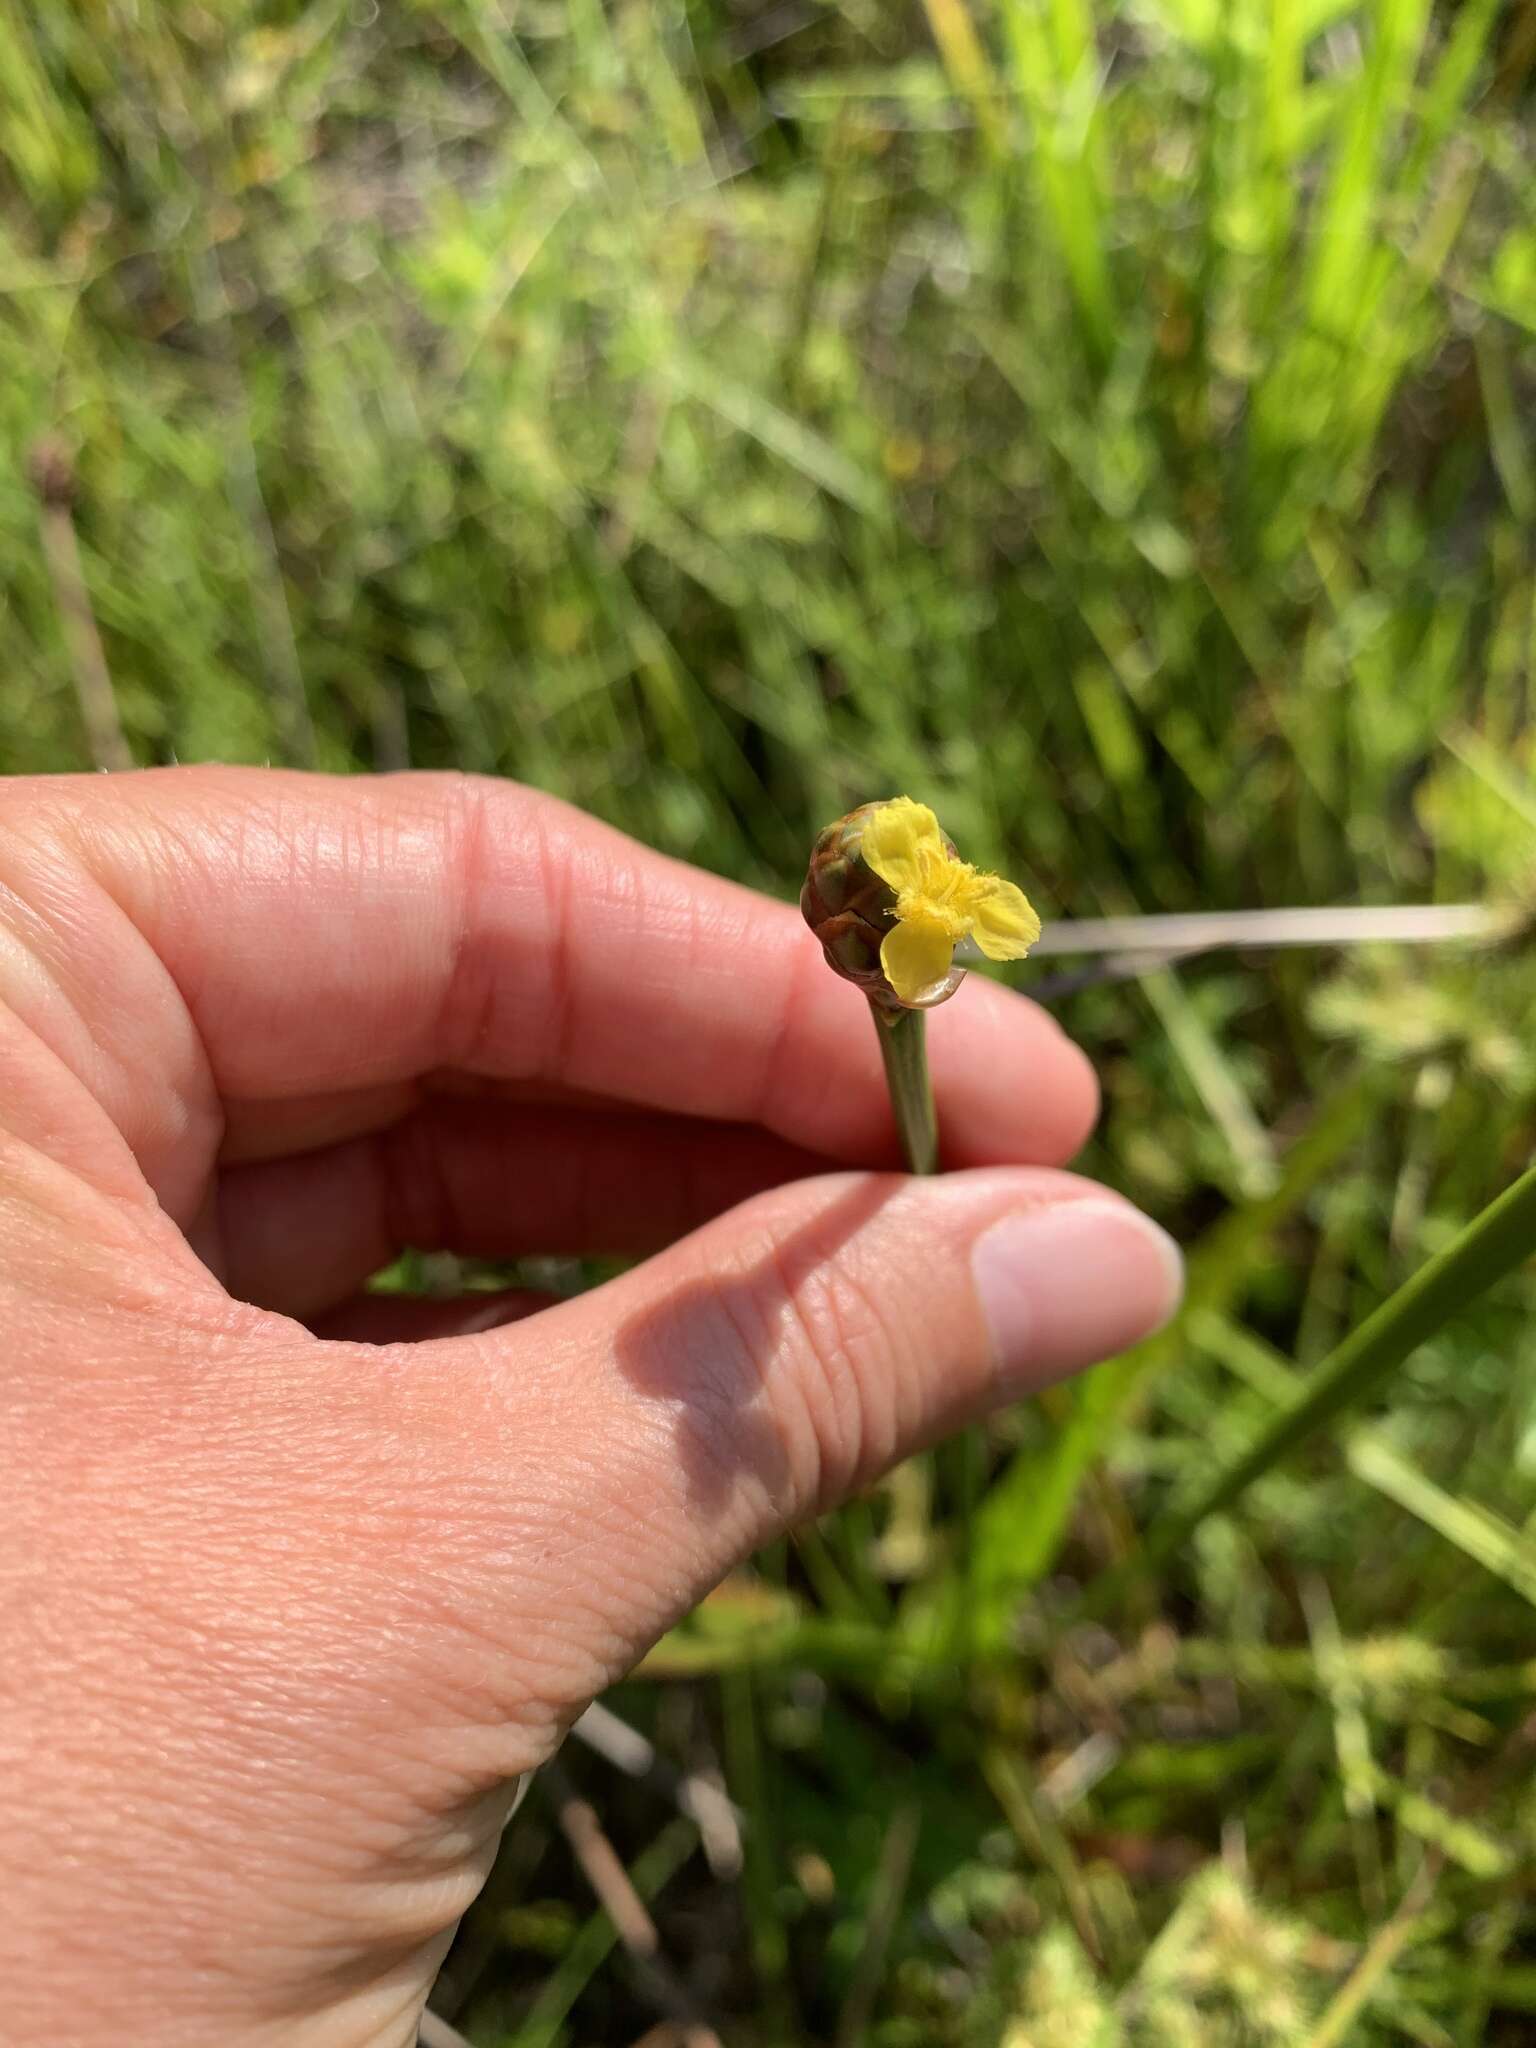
1063	1286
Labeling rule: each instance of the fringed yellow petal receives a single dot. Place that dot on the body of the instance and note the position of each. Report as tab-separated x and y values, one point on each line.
896	838
915	955
1002	922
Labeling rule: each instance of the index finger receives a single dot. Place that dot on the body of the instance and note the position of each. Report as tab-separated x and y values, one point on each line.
349	933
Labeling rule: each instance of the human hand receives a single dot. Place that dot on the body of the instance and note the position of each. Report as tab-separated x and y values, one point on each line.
297	1582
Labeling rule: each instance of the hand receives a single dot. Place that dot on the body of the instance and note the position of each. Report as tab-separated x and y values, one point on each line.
297	1581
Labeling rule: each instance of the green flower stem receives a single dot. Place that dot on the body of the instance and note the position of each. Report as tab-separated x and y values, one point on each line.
905	1053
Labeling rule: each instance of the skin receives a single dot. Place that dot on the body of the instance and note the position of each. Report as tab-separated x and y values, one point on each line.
296	1583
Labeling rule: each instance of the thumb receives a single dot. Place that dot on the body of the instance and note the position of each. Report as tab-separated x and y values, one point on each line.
782	1356
364	1587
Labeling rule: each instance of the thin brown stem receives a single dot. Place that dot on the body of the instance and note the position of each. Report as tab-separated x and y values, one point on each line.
53	479
605	1872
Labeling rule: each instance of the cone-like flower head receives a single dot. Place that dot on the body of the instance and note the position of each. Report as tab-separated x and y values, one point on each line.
890	899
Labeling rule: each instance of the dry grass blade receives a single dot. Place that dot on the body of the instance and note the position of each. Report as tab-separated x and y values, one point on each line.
435	2032
1347	2003
1043	1840
1413	924
53	479
604	1870
1125	948
702	1798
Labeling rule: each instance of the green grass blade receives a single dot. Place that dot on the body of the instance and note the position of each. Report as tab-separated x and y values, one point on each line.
1480	1534
1055	74
1354	1994
1451	88
1492	1245
1346	223
1212	1076
1464	1842
1020	1525
649	1872
798	446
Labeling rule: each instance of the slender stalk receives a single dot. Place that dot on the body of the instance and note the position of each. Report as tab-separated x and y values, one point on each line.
1126	948
1341	925
1491	1245
905	1053
53	478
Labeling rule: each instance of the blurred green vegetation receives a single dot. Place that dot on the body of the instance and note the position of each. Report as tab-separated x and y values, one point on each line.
1111	423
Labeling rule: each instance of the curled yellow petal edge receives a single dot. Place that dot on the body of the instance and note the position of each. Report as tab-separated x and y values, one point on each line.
1004	924
915	955
894	836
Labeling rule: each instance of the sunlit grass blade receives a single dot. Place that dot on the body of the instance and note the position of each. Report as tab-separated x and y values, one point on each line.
1343	247
1453	1836
1340	1683
1212	1076
785	438
650	1871
1054	69
1487	1538
1490	1246
965	62
1451	87
1375	1963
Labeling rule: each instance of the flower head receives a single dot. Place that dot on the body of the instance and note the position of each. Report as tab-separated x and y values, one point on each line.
890	899
940	900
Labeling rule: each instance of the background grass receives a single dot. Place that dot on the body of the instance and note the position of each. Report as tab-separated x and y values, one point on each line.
1108	419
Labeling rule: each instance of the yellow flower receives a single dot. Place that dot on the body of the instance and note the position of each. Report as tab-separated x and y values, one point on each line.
939	900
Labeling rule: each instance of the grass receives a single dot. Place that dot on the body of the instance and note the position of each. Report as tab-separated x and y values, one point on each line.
1110	422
